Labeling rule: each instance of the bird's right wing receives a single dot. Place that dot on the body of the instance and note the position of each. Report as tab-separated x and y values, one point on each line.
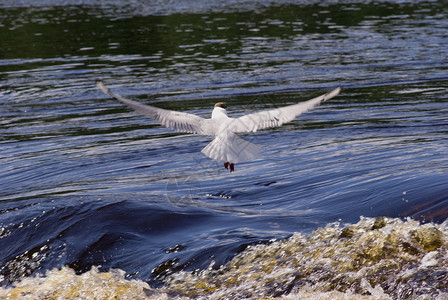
178	121
278	116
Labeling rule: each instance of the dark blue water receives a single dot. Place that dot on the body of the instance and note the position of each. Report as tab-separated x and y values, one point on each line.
85	182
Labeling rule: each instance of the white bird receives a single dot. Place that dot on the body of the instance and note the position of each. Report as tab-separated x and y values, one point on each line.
226	146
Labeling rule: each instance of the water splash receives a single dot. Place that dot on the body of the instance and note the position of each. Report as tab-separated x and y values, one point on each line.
382	258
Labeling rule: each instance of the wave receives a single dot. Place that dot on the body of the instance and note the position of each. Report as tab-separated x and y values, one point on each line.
376	258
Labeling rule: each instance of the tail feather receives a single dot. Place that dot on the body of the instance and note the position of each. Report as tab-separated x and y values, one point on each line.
230	148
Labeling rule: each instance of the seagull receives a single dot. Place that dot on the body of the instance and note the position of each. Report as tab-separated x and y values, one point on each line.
226	146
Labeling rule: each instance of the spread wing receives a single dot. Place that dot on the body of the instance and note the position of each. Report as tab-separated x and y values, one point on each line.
178	121
277	117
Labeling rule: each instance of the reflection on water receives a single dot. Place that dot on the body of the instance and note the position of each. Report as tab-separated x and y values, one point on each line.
97	200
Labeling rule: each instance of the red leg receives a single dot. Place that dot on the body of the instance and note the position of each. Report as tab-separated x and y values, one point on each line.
226	165
232	168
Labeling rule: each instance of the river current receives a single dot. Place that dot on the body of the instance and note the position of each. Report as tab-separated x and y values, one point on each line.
348	201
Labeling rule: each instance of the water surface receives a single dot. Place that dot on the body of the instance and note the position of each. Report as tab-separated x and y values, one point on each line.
92	192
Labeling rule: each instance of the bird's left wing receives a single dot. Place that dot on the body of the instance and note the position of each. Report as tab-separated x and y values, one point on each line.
278	116
178	121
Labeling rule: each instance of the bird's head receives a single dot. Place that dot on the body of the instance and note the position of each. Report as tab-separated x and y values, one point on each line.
221	104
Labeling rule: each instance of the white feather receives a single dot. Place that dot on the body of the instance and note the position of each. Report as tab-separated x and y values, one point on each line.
277	117
178	121
226	145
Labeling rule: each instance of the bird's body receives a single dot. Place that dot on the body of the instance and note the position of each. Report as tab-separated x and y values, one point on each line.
226	146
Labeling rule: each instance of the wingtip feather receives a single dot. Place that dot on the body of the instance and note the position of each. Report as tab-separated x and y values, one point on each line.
332	94
102	87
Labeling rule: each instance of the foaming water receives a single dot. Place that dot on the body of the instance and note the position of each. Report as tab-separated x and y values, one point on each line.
380	258
65	284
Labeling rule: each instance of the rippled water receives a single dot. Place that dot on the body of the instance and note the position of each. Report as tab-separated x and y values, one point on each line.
105	202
